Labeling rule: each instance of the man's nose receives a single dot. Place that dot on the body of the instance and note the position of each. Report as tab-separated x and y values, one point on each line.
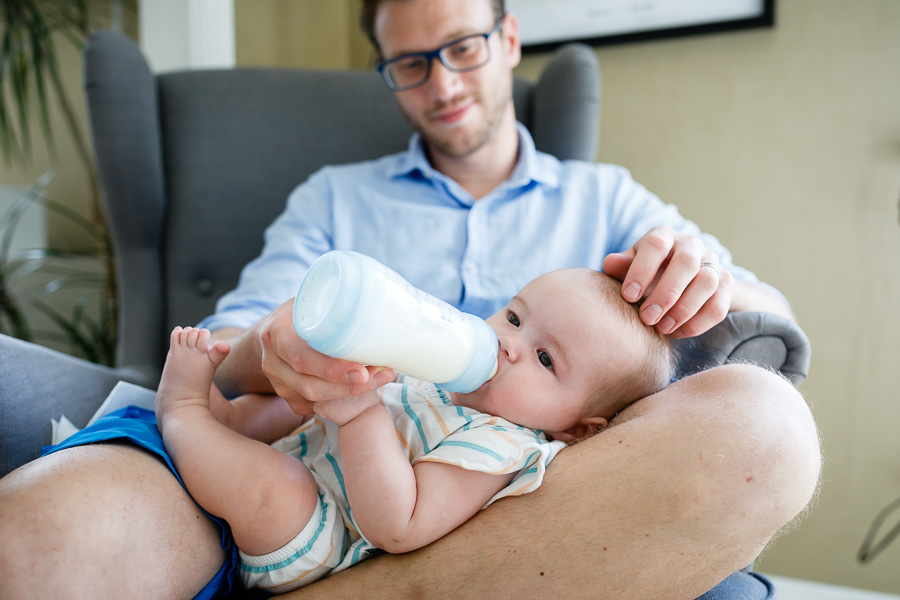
443	82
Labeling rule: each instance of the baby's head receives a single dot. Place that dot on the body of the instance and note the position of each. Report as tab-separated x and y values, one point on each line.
572	354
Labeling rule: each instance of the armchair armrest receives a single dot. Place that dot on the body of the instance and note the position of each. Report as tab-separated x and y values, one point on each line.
746	336
37	384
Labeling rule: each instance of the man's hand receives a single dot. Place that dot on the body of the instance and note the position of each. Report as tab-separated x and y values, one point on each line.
302	375
685	290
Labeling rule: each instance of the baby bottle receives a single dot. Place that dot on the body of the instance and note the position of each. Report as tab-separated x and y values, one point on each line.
353	307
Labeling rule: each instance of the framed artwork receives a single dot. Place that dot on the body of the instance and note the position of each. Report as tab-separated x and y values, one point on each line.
548	23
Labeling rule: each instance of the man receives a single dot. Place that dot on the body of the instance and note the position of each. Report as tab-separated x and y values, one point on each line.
686	487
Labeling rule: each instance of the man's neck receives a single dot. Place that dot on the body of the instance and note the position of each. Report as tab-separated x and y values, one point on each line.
483	170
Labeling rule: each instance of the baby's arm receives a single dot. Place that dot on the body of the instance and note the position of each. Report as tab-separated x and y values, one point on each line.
400	507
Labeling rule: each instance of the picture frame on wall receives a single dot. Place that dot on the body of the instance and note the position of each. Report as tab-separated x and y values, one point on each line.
545	24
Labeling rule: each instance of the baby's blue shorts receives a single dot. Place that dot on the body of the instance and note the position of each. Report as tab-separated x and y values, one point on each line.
138	426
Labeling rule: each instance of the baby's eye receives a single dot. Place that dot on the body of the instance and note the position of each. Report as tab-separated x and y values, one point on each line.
513	318
545	359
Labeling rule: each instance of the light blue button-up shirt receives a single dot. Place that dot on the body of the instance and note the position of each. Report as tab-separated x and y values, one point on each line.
475	255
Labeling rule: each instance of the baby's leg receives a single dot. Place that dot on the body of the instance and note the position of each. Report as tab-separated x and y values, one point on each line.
266	496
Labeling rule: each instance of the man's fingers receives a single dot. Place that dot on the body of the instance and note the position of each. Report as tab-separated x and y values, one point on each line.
288	383
712	311
650	253
694	297
680	271
334	370
379	376
616	264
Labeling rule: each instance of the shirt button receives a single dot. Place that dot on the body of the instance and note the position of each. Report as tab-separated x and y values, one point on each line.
204	287
471	268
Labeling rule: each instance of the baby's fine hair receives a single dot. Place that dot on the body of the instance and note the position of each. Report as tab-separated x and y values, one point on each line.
653	364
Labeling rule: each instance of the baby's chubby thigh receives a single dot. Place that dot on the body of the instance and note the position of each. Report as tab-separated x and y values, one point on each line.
308	557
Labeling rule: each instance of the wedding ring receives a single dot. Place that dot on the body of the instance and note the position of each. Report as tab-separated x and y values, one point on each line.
711	266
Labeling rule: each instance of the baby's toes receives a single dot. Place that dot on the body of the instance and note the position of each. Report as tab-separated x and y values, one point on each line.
202	339
192	336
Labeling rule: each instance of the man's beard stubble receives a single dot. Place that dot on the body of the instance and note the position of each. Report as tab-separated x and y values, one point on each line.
494	111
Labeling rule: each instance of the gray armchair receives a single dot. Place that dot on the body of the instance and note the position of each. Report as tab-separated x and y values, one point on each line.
194	166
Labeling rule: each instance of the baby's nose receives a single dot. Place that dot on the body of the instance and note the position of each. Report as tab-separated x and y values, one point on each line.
509	345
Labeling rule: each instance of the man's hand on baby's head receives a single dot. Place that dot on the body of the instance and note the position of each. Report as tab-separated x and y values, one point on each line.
668	269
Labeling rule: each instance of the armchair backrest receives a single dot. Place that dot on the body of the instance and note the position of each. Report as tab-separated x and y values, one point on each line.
194	165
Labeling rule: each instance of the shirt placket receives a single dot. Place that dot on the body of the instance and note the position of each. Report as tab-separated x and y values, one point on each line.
474	266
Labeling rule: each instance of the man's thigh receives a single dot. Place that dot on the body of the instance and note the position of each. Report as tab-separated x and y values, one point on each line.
106	520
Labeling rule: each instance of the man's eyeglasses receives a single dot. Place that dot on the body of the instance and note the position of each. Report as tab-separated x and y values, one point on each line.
460	55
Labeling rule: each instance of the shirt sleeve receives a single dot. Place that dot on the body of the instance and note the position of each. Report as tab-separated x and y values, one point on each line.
493	445
301	234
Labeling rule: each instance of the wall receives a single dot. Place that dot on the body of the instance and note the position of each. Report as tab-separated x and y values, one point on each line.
305	33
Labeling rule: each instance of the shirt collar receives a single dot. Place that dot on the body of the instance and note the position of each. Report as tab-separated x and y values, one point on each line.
532	165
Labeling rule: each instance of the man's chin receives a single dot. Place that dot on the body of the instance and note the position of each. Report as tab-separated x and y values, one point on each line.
460	147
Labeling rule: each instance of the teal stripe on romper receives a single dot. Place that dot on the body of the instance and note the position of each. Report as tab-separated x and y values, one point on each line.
533	469
303	446
299	553
444	396
356	552
338	473
474	447
404	399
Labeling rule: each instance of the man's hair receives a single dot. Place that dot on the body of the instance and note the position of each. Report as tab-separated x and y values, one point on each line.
370	9
653	363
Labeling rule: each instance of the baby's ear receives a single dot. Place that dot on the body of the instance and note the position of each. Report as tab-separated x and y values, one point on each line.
586	427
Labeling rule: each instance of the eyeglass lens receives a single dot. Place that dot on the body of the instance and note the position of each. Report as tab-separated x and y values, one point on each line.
464	54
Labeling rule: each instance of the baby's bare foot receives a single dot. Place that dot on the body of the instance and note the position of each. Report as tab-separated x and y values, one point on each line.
189	370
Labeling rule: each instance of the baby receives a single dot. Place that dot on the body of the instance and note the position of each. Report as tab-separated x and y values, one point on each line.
401	466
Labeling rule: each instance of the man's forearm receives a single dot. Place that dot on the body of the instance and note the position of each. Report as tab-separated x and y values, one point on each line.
748	296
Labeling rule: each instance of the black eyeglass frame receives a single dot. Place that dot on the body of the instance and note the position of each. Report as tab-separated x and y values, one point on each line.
437	53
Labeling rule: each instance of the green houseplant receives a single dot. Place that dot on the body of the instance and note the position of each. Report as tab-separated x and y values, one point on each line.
30	81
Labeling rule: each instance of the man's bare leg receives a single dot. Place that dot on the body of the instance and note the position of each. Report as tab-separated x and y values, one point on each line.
688	486
102	521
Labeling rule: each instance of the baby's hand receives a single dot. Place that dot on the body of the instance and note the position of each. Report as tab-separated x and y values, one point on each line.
344	410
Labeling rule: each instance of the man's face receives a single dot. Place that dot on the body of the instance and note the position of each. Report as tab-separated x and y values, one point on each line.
456	113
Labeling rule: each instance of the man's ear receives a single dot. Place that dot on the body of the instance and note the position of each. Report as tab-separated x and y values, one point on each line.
586	427
512	43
